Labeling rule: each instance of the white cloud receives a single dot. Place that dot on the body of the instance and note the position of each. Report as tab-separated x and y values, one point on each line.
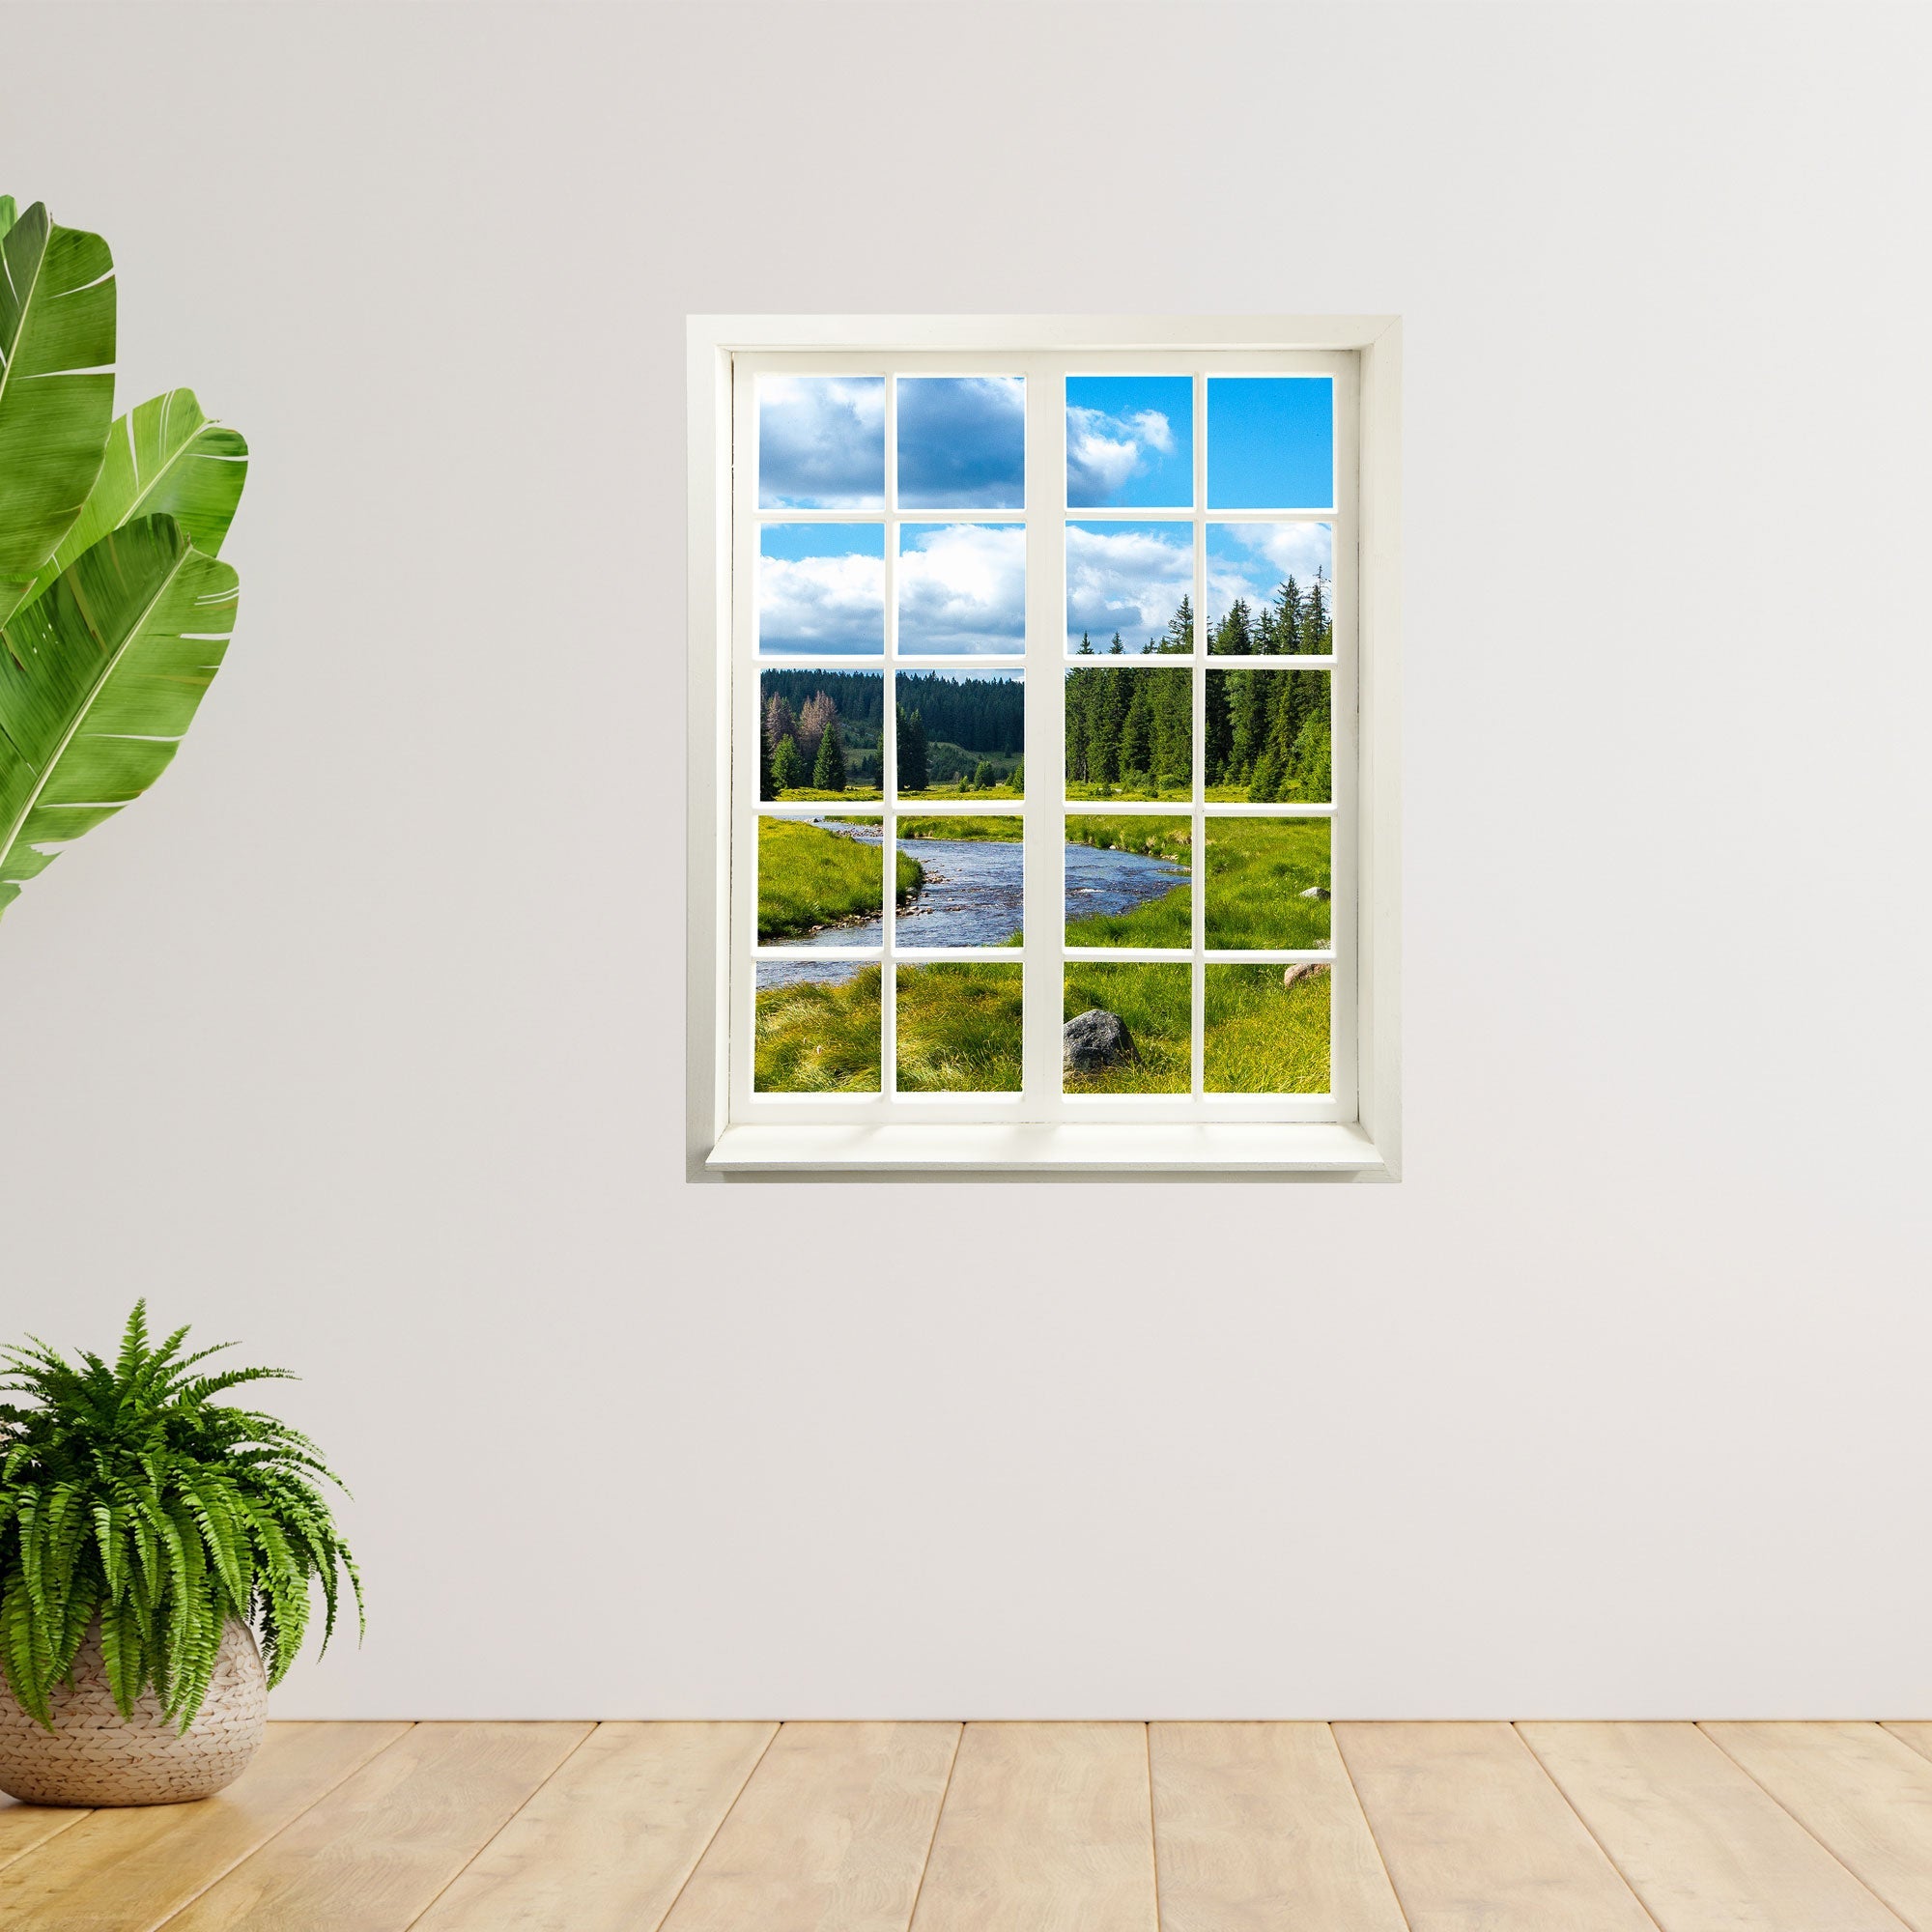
1154	430
1251	560
1101	453
963	588
821	442
1128	581
833	604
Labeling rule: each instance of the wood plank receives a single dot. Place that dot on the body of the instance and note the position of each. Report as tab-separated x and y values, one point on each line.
1046	1828
1866	1797
831	1831
1697	1839
1917	1735
25	1828
127	1870
607	1845
373	1853
1256	1828
1475	1837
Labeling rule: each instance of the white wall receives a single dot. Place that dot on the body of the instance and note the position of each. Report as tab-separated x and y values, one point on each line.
362	1037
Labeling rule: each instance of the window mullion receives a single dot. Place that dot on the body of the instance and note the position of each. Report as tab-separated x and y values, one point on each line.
1044	854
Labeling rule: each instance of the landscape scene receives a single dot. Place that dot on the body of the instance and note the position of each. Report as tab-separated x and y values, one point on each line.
959	882
958	733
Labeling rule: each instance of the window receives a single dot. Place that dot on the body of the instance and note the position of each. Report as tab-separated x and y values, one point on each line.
1042	747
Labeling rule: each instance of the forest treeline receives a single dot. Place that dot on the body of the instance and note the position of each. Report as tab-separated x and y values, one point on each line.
1268	732
822	730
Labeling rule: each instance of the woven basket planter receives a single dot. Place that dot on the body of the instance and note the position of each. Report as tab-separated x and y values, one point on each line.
94	1755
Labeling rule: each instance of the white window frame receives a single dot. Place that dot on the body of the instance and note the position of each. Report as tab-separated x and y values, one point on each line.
1147	1136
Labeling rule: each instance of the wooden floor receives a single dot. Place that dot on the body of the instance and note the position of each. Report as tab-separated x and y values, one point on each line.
1012	1828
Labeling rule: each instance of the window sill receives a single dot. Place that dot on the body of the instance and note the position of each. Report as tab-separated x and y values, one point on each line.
1343	1153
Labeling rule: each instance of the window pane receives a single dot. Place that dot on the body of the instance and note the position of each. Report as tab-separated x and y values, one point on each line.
1269	884
1271	589
958	1029
1266	1030
822	589
1130	588
1130	442
966	885
962	589
1270	738
1130	732
821	733
1126	1029
818	1036
962	734
963	443
1271	442
821	882
1128	881
821	442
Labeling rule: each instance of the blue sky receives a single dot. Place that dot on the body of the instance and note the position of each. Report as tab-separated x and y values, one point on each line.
1251	559
1129	442
821	442
1127	578
822	587
1271	442
963	443
962	588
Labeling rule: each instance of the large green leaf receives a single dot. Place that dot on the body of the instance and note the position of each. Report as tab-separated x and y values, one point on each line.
165	457
56	387
98	680
9	213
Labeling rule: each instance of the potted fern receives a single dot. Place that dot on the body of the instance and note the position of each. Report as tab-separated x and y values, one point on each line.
149	1533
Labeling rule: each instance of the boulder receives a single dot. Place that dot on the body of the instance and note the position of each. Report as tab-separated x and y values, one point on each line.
1095	1040
1303	969
1315	892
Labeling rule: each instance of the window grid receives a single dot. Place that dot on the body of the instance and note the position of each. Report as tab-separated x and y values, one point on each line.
1045	515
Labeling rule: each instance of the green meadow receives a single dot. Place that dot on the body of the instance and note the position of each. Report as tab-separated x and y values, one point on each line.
1152	1000
958	1029
813	1039
1262	1037
810	877
1257	870
1168	920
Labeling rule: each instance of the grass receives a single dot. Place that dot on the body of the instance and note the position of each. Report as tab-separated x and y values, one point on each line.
1000	830
1138	789
965	794
1153	1001
958	1033
811	1039
795	794
1168	920
809	878
1261	1038
958	1029
1257	868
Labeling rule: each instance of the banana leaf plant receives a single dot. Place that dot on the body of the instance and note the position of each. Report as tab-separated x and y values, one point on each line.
114	610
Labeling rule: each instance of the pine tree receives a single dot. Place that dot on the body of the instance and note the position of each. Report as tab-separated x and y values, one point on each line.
914	775
1137	737
1085	645
1218	726
985	777
1180	627
828	771
778	721
788	768
1318	634
1288	619
765	767
1116	649
814	717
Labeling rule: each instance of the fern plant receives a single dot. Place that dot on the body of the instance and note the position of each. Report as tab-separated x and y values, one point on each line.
130	1494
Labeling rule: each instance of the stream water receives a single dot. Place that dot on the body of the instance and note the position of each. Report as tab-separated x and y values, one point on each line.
972	897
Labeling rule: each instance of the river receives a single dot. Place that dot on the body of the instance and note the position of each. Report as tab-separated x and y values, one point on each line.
972	897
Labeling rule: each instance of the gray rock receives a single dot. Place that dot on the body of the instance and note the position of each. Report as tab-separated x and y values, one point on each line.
1095	1040
1303	969
1315	892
